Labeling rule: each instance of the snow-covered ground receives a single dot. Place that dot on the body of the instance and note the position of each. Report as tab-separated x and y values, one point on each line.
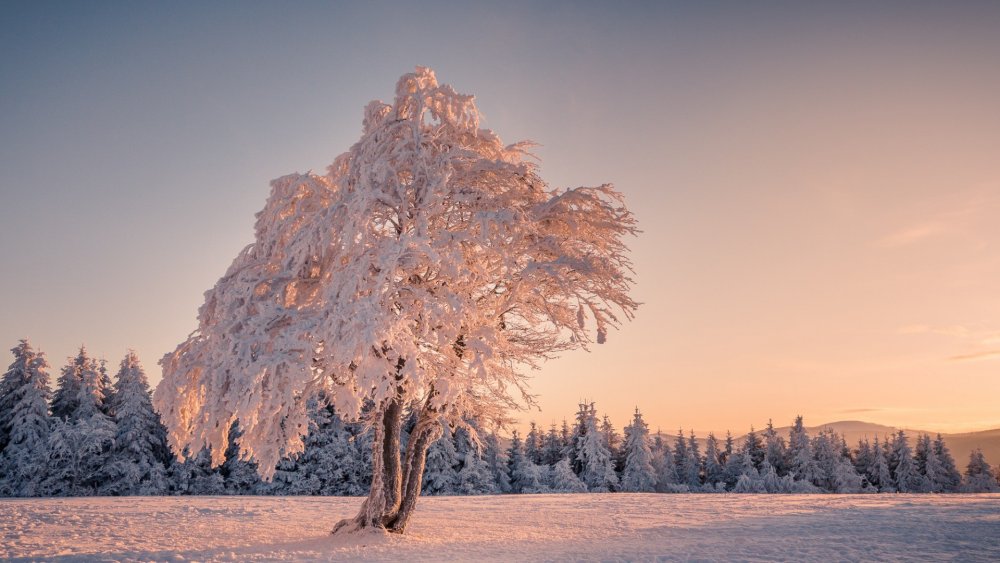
516	527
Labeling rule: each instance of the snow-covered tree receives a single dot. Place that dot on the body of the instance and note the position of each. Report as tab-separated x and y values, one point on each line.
904	470
754	447
749	480
239	475
474	477
533	444
563	479
64	401
775	450
598	470
663	463
26	422
553	447
712	468
613	442
430	265
949	480
441	474
801	461
639	475
496	461
138	462
692	464
979	476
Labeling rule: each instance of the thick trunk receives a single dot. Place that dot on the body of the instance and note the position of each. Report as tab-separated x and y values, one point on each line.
427	430
395	487
385	494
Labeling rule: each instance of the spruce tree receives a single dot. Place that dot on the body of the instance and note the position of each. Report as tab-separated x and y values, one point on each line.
979	476
533	444
901	464
441	471
564	480
474	477
801	462
949	480
139	460
553	447
639	475
26	422
496	461
712	467
598	471
239	475
775	450
66	397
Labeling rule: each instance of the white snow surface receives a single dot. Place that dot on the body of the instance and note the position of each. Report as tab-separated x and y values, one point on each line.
608	527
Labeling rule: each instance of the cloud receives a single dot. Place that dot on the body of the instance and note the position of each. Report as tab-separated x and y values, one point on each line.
988	355
858	411
913	234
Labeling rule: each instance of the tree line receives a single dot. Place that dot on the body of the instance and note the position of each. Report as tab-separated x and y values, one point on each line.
94	435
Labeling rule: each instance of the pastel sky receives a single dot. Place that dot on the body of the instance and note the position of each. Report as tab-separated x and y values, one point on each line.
819	187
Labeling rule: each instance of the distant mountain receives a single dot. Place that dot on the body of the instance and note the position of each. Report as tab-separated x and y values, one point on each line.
960	444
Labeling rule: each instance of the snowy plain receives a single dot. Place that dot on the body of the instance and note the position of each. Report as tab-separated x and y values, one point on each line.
605	527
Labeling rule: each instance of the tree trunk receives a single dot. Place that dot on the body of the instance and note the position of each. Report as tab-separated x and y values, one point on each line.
385	494
427	430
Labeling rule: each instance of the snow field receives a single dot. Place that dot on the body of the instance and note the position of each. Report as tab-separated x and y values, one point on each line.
605	527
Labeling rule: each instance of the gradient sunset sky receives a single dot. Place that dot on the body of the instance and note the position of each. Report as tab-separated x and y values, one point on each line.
819	187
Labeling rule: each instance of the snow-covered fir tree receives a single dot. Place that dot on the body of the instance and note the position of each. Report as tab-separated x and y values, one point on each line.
474	476
904	470
979	476
753	446
949	480
66	397
26	423
441	473
533	444
801	461
598	470
775	450
552	449
663	463
639	476
692	464
496	461
138	462
81	445
712	467
563	479
928	465
239	475
613	442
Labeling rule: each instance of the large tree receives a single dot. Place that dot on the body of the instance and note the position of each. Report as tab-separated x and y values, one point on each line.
430	266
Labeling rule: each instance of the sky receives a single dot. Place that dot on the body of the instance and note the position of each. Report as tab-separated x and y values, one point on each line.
818	185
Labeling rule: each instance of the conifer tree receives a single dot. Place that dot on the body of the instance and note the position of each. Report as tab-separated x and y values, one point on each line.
533	444
949	480
66	397
441	473
239	475
598	471
712	468
754	447
692	464
496	461
553	447
775	450
613	442
979	476
639	476
663	463
474	477
26	422
564	480
139	460
801	462
901	463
